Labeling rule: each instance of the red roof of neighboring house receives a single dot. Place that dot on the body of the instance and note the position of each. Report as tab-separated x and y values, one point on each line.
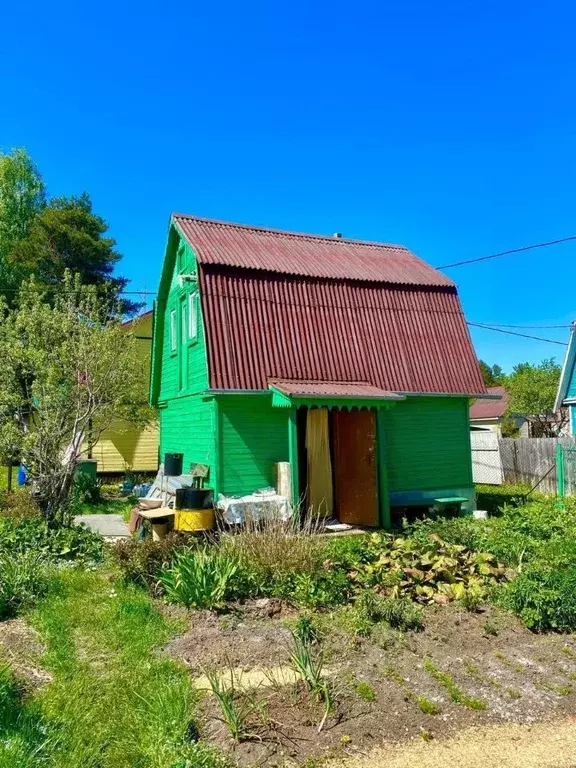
239	245
490	409
354	389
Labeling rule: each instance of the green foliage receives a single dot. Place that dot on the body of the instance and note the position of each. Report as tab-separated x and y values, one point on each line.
24	578
35	535
365	691
450	686
22	198
67	235
400	613
86	489
308	662
532	390
545	597
69	368
143	561
425	705
236	707
493	498
199	578
427	569
491	374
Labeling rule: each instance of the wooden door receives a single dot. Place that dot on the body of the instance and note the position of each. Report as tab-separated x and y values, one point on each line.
355	475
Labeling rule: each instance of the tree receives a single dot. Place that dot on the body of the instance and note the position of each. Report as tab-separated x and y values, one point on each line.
532	390
22	197
67	235
492	375
68	370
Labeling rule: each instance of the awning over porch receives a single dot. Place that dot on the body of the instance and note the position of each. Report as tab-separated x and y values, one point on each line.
287	393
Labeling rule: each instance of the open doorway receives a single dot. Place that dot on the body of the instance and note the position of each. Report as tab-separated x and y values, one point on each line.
338	464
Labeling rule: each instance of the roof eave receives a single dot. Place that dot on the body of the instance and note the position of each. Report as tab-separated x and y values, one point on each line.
567	368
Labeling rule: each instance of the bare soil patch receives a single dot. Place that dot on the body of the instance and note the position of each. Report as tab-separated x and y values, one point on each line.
383	693
21	648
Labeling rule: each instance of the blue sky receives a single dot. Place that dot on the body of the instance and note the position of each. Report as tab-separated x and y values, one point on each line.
449	127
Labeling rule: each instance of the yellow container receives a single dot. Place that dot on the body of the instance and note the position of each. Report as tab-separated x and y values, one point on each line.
194	519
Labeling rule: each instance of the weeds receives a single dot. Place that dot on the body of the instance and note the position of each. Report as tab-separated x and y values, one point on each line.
365	691
399	613
450	686
424	704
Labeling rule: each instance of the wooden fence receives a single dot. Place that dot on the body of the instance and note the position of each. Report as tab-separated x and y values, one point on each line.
531	460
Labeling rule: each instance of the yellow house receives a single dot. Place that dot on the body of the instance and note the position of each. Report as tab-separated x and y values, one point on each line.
122	446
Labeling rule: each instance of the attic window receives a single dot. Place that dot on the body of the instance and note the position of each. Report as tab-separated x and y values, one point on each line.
192	316
173	331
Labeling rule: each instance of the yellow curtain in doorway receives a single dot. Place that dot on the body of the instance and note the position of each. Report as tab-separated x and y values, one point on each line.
320	494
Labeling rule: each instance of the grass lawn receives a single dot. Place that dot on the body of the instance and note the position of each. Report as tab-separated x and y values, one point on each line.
113	702
276	647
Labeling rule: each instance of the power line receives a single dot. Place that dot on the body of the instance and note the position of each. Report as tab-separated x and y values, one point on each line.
507	253
504	325
515	333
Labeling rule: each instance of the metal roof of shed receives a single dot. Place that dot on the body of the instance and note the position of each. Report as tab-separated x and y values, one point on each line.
293	253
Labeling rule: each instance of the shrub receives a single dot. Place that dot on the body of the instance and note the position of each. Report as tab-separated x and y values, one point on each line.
544	598
23	579
86	489
142	562
199	578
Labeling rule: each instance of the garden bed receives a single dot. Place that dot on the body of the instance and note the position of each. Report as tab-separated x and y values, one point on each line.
504	673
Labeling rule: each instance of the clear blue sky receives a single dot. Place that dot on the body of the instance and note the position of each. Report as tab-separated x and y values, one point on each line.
448	126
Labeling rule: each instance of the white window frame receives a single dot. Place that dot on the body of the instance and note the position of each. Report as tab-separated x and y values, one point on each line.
173	332
192	317
183	323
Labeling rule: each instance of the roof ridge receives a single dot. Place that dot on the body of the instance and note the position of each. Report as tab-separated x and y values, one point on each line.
290	233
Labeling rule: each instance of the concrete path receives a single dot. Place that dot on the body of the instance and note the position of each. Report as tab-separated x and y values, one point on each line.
109	526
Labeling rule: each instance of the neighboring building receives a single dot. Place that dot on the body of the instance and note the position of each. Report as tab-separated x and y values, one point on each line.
489	414
351	360
122	447
566	396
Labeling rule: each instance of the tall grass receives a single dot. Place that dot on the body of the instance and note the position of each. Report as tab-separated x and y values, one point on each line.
114	702
276	547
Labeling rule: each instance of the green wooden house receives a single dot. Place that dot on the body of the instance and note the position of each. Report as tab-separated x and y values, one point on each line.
350	360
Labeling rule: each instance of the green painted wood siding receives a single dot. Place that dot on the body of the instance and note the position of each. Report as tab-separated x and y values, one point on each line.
188	426
253	437
185	369
428	444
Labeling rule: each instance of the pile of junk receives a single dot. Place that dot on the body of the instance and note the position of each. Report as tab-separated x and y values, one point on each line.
183	502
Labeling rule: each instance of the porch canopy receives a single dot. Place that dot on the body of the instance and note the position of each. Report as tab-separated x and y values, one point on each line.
288	393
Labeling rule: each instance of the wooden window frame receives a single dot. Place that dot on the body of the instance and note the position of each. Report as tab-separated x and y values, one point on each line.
193	317
173	332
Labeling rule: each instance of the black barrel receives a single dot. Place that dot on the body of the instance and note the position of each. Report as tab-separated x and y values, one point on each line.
194	498
173	464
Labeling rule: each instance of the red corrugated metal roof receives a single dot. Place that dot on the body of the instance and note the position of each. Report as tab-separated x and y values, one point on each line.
354	389
261	326
490	409
239	245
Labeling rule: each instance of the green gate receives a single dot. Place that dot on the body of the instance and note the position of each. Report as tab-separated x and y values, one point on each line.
566	469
